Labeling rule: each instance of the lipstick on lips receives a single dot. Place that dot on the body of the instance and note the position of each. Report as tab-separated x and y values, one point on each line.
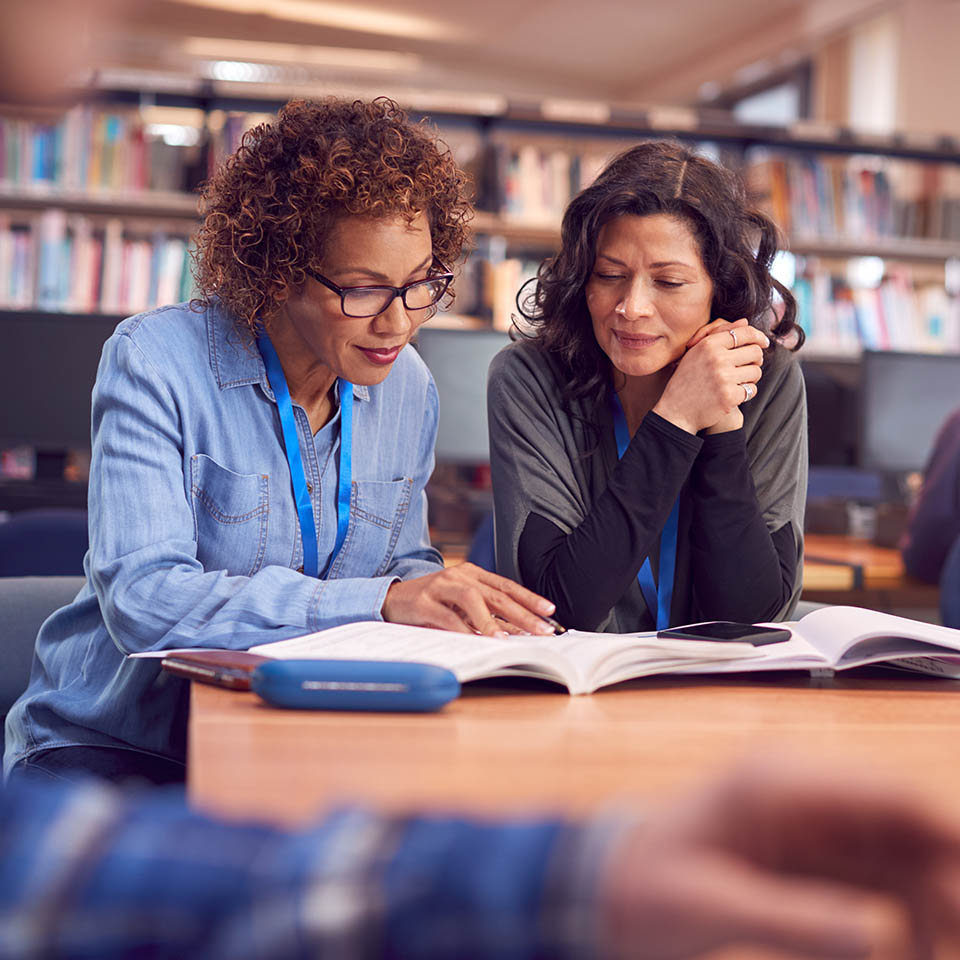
635	341
381	355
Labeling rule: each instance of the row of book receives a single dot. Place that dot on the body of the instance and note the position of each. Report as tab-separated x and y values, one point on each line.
93	147
840	317
830	195
900	313
66	262
90	148
808	194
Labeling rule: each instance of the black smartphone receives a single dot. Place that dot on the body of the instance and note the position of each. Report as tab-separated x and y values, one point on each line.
728	630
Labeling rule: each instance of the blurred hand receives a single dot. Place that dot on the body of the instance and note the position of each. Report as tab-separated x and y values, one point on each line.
468	599
785	859
706	388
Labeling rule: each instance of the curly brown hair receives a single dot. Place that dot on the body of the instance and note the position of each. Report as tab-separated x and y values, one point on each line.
737	244
268	209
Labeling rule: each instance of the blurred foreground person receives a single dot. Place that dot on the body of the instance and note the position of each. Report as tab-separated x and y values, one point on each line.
763	857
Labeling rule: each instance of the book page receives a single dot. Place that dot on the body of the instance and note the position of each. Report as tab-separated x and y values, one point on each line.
468	656
848	636
605	658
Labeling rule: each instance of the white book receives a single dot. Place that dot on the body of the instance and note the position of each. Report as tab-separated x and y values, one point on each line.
580	661
835	638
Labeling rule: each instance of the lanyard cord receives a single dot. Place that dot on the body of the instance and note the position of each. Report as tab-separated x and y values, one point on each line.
658	600
291	445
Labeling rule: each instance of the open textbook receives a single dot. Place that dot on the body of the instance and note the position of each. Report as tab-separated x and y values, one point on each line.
580	661
832	637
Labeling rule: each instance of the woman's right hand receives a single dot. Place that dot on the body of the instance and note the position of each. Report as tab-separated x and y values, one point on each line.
467	599
708	384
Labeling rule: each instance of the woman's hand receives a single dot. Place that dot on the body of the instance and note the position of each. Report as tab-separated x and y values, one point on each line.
468	599
718	372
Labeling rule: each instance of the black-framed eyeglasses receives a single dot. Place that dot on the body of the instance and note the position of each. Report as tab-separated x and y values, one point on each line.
371	301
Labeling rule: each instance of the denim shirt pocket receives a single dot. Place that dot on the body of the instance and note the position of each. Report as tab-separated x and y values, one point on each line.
230	513
377	511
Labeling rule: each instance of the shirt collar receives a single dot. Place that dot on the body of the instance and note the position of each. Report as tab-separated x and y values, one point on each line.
235	359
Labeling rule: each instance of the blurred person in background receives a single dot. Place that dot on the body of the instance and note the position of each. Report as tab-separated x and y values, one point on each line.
931	541
788	859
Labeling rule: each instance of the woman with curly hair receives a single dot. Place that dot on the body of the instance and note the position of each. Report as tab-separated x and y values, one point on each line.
644	474
260	456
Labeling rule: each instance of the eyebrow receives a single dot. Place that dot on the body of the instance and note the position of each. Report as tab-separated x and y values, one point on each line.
373	274
659	263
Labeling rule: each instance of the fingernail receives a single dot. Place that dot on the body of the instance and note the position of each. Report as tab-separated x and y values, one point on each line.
502	634
545	629
547	607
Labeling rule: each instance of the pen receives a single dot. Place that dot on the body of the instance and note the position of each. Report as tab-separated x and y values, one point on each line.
553	623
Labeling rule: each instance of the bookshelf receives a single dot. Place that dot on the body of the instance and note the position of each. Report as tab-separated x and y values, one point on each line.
122	170
107	189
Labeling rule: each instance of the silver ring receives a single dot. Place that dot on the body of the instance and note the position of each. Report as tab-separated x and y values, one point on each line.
732	334
748	389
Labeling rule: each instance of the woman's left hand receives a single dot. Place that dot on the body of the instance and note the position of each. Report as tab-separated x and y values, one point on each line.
734	419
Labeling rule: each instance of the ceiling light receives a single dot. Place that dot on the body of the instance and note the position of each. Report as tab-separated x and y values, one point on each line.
342	16
343	57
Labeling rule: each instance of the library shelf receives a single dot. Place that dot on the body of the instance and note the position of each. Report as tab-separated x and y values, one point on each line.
887	247
167	204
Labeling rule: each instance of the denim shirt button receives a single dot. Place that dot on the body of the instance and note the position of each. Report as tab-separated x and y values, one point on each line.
309	487
300	568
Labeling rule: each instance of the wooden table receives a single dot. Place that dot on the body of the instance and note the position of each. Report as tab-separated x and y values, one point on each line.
839	569
502	748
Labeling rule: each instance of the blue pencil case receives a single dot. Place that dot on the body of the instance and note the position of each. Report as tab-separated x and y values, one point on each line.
354	685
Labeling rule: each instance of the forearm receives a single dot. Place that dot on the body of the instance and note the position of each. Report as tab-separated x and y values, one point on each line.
586	571
739	569
150	876
152	602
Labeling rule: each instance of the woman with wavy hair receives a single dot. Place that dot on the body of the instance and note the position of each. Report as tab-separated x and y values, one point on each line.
648	434
260	455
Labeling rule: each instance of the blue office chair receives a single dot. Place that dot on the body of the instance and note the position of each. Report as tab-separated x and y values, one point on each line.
25	602
950	588
49	542
482	551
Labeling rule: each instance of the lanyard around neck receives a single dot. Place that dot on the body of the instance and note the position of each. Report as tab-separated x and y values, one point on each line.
291	444
657	600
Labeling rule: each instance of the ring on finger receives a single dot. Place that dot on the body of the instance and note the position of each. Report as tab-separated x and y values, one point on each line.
732	334
749	390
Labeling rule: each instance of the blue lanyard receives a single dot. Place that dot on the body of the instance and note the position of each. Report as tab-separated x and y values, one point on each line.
291	444
655	599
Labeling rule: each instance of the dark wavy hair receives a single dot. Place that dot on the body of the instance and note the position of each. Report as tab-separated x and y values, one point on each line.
737	244
269	208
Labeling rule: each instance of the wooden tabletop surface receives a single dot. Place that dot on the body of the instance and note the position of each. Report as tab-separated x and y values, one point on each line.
504	748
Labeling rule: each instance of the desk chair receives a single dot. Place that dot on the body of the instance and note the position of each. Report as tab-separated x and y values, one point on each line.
49	542
950	588
482	551
25	602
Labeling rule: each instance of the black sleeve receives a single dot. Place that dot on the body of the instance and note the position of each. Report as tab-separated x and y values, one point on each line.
586	571
739	570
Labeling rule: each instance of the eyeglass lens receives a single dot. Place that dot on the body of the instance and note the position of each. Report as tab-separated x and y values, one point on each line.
369	301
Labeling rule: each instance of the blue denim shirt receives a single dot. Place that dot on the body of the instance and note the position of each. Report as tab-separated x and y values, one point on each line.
194	536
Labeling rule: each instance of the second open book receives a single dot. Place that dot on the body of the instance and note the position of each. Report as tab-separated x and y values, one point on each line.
833	637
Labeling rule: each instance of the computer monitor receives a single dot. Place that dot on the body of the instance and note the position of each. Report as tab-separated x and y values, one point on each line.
904	400
48	376
458	360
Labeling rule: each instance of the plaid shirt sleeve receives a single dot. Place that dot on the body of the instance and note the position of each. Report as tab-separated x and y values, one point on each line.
92	873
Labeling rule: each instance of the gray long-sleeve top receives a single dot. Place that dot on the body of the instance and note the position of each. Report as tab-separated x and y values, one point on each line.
575	523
